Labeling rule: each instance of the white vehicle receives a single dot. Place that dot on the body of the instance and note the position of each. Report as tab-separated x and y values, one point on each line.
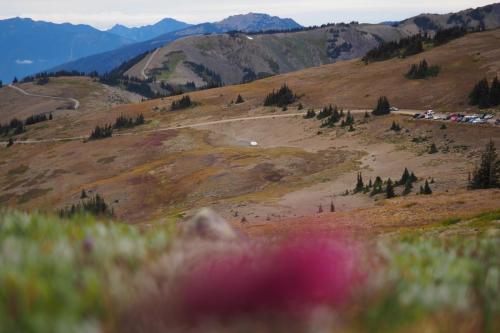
479	121
393	109
430	112
254	144
439	117
488	116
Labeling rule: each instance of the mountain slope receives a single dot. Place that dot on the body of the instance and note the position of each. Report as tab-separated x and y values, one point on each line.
239	58
31	46
148	32
107	61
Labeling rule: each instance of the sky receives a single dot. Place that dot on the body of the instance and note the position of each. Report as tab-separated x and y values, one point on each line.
103	14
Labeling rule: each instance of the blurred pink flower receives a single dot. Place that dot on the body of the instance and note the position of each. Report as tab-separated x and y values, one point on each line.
293	277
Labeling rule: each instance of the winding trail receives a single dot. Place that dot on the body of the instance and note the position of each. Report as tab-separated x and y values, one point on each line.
151	57
24	92
195	125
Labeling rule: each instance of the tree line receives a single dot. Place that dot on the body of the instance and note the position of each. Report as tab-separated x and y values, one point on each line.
95	205
180	104
379	186
129	122
281	98
412	45
16	126
422	71
484	96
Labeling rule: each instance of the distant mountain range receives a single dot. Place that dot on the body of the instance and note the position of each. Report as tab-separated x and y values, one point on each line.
239	57
251	22
29	46
147	32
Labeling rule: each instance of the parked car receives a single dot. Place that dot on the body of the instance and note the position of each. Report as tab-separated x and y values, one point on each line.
394	109
488	116
497	122
478	121
416	116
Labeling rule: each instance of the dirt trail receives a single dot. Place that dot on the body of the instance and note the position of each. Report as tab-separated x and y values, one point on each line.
24	92
196	125
151	57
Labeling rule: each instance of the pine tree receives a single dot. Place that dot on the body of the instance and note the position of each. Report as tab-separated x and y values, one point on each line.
15	80
413	177
487	174
377	186
408	187
50	116
300	107
10	143
495	92
239	100
332	208
480	95
383	107
389	191
1	84
320	209
351	128
83	195
405	177
367	115
427	188
359	184
433	149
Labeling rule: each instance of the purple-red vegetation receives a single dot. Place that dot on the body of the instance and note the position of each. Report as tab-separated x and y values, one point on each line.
293	278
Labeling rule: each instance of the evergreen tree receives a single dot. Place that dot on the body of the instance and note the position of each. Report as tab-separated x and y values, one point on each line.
83	195
367	115
395	127
427	188
283	97
413	177
183	103
310	114
495	93
239	100
405	177
433	149
487	173
332	208
320	209
300	107
389	191
1	84
351	128
383	107
480	95
377	186
408	187
15	80
50	116
359	184
10	143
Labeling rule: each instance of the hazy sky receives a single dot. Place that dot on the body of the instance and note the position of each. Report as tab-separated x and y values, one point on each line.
105	13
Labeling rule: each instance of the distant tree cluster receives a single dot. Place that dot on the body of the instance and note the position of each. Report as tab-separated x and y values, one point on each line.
95	205
16	126
487	172
125	122
422	71
180	104
34	119
383	107
388	187
485	96
348	121
331	116
412	45
212	79
101	132
283	97
1	84
310	114
43	77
